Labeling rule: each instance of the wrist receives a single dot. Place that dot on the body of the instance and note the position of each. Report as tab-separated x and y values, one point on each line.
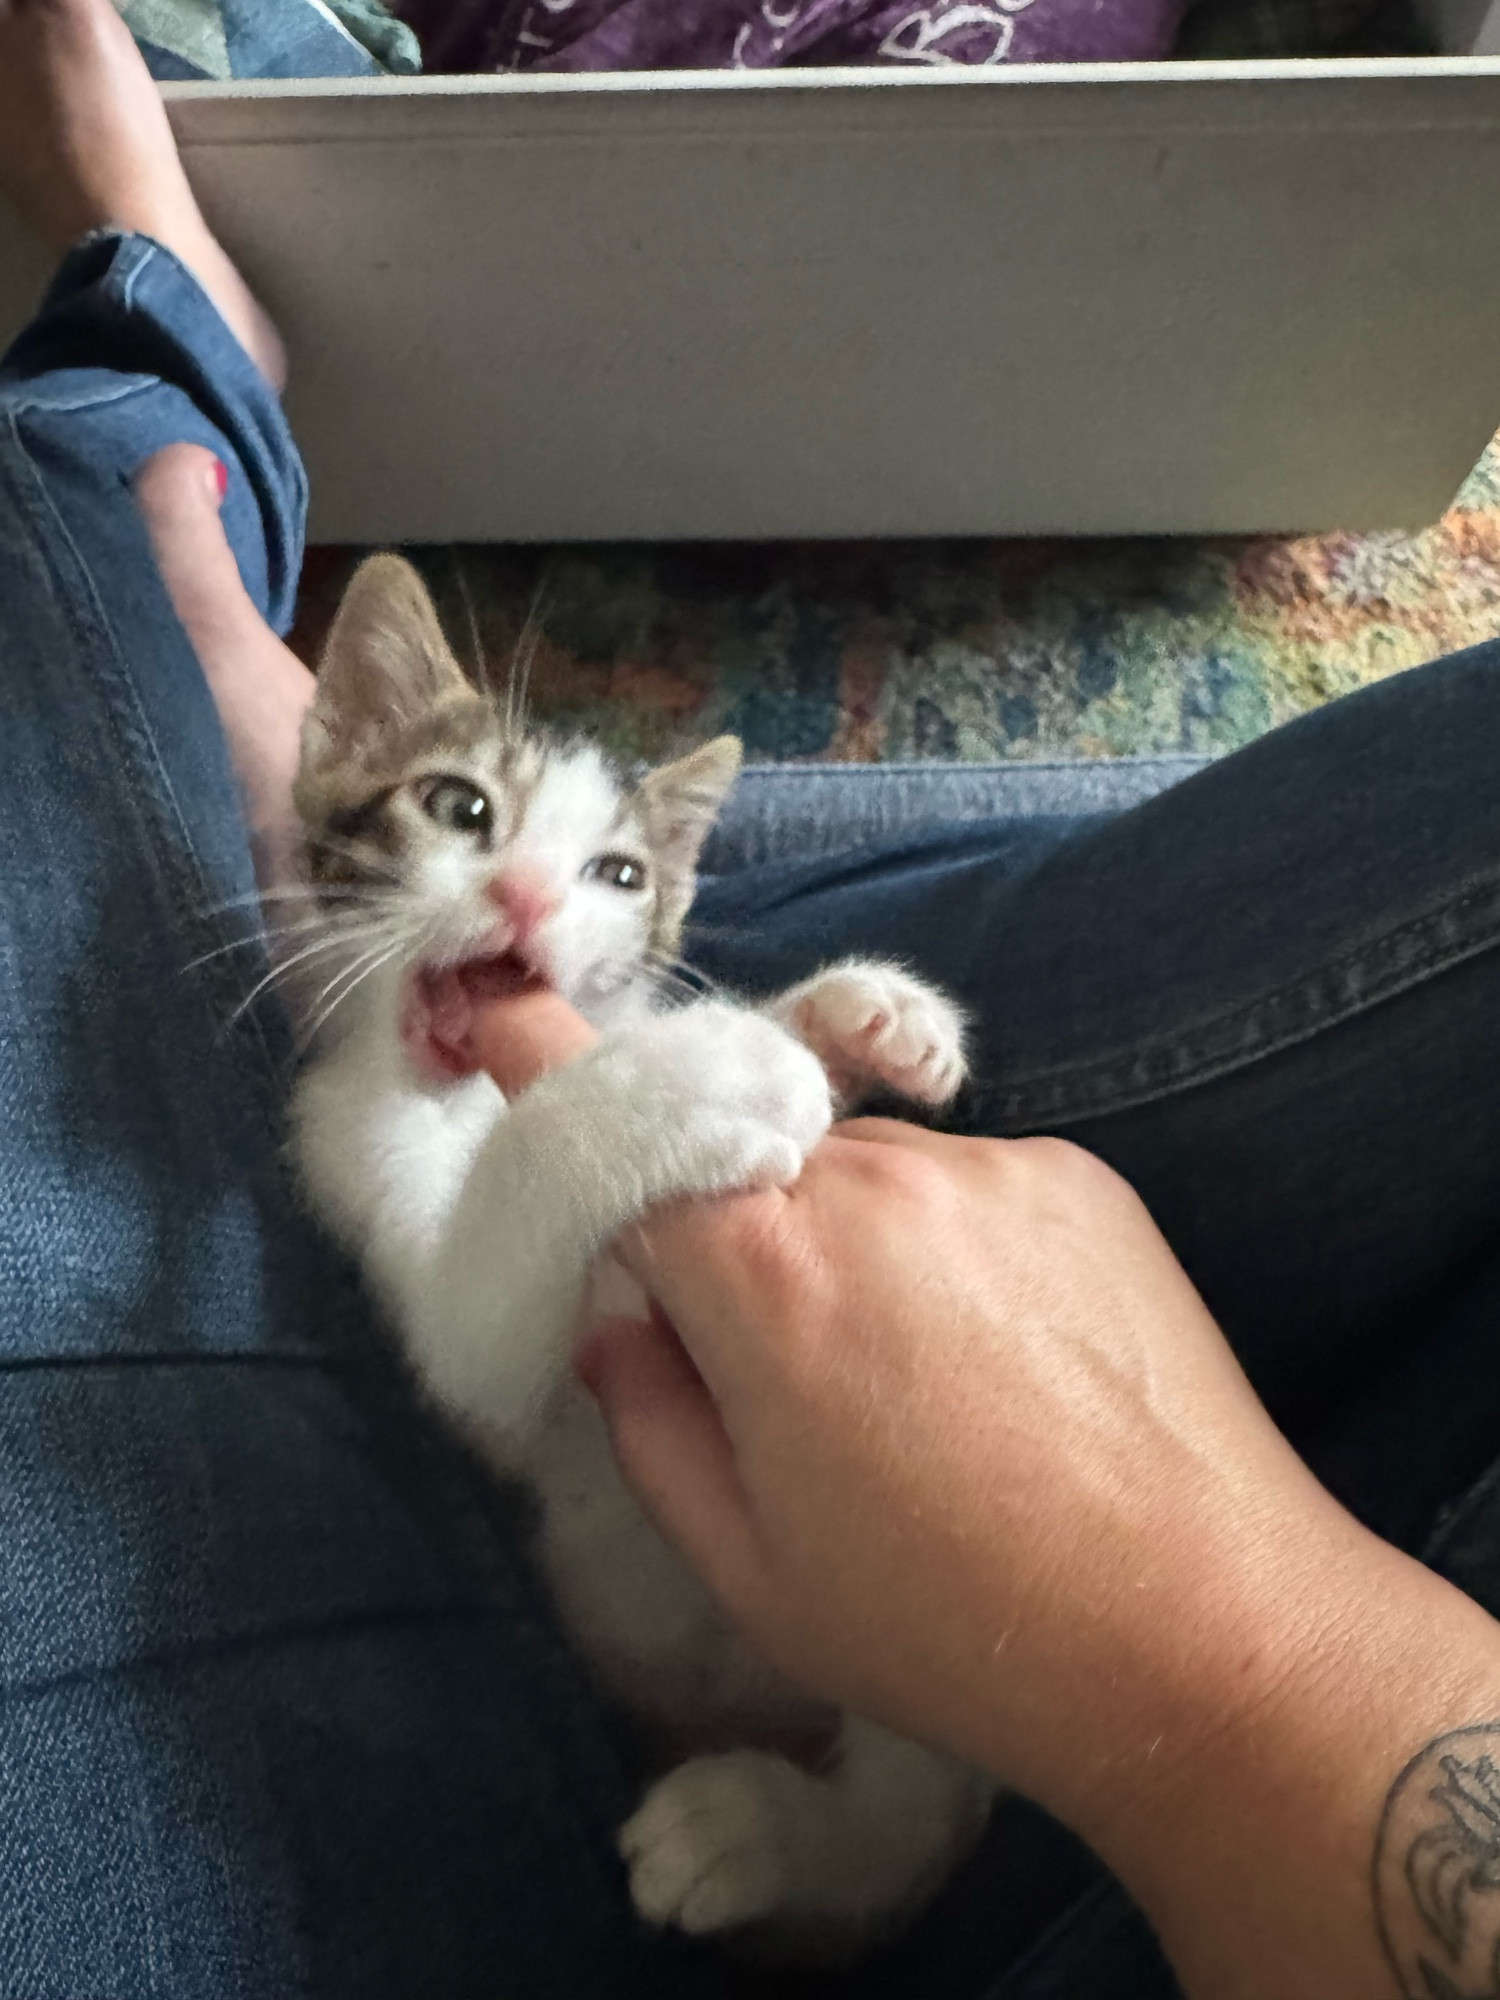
1182	1617
1249	1840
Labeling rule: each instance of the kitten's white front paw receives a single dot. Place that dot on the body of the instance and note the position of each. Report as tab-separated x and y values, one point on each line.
709	1849
873	1024
735	1101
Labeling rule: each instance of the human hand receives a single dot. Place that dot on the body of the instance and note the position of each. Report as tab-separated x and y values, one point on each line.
948	1429
953	1437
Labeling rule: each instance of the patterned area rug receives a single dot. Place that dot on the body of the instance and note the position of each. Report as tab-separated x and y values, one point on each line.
892	651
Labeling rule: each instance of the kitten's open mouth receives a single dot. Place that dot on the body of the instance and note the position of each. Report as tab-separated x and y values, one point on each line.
438	1022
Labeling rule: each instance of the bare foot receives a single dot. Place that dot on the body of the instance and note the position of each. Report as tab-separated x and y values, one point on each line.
85	144
261	688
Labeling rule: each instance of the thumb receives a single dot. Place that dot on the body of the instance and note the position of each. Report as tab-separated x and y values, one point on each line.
519	1038
671	1445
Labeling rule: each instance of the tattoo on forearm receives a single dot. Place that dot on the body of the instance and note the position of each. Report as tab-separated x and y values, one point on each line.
1436	1874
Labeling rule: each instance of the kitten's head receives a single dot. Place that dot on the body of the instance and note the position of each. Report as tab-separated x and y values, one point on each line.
449	852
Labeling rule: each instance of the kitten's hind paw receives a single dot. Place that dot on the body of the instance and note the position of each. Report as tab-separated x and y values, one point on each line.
709	1849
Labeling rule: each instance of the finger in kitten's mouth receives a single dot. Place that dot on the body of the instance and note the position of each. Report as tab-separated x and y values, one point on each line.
438	1018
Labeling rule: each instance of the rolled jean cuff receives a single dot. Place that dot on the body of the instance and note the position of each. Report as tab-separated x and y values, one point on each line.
124	306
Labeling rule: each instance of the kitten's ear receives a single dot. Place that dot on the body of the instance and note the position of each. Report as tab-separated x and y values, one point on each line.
678	804
386	660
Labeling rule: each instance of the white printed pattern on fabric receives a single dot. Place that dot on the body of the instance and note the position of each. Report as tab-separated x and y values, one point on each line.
916	38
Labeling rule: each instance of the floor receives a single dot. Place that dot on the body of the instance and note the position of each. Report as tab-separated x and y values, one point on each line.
971	650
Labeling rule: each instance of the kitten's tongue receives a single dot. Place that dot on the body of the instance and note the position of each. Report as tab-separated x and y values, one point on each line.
439	1024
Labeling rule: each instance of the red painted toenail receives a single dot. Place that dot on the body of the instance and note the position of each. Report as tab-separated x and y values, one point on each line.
221	475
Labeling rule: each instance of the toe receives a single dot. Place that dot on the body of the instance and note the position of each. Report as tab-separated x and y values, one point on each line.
178	493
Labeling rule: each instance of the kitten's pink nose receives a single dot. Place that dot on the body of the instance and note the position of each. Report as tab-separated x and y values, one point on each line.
525	901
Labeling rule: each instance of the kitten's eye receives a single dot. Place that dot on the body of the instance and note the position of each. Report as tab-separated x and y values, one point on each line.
618	870
456	804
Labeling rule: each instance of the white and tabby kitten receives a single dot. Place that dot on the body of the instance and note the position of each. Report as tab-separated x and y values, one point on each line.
444	851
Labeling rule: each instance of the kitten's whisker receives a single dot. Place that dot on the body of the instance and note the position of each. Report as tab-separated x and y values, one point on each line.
378	880
219	950
672	967
519	690
481	658
351	927
274	936
341	909
248	901
671	985
373	936
344	970
278	973
331	942
671	962
304	893
256	899
523	657
374	966
316	895
395	937
680	970
259	938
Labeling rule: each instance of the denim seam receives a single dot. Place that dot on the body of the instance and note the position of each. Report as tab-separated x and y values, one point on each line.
145	249
857	774
43	1364
1096	1913
1455	1517
206	1651
157	800
1368	975
96	400
96	642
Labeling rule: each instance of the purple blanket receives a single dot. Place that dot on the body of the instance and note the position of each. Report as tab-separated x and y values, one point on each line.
492	35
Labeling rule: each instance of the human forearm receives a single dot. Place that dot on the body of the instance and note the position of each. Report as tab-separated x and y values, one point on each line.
1284	1849
1112	1582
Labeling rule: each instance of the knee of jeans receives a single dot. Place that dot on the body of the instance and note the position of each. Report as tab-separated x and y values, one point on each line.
76	439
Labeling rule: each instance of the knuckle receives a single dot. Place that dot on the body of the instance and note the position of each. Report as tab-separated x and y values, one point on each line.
781	1260
1071	1169
903	1174
1045	1152
759	1232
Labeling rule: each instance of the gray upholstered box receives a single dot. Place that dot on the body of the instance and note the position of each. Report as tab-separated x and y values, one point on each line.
844	303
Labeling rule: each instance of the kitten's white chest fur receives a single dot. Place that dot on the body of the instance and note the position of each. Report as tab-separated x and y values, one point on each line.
440	846
384	1161
447	1196
653	1636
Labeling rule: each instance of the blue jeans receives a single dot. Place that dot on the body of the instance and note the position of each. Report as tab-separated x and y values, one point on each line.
281	1712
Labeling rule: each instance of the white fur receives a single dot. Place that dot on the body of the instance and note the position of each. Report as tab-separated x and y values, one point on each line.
592	945
480	1223
866	1020
745	1837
